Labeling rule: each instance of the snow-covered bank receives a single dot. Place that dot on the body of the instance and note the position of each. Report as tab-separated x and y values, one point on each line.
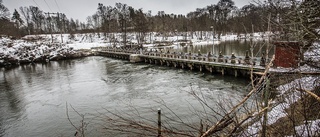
88	40
291	94
197	38
38	47
14	52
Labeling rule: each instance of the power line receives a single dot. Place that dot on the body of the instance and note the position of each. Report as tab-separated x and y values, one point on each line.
57	5
65	9
48	5
36	3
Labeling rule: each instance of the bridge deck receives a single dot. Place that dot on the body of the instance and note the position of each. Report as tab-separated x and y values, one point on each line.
207	63
235	66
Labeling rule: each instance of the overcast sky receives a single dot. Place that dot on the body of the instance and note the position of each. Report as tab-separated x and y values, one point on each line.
81	9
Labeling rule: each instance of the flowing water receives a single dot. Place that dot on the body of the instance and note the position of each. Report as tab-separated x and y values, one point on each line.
33	98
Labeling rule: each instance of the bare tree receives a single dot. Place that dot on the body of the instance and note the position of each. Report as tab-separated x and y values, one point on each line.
123	15
27	17
4	11
37	17
5	24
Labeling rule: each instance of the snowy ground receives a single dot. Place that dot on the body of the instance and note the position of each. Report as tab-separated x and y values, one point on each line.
89	40
290	95
19	51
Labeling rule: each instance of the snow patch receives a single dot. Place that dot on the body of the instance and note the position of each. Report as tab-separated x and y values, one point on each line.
311	129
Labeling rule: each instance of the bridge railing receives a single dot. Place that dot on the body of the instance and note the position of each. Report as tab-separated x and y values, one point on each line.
240	60
208	58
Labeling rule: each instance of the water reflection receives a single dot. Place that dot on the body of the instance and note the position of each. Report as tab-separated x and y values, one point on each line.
11	100
238	47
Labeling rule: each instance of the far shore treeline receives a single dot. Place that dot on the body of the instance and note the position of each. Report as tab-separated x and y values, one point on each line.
222	17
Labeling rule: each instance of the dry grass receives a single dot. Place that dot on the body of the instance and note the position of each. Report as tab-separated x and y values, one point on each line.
305	109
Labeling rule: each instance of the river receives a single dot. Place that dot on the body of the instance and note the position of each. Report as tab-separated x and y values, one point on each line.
238	47
33	98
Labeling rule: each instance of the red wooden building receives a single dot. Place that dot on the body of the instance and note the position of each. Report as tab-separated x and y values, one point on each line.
287	54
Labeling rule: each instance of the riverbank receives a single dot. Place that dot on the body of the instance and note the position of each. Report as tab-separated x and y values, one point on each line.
292	109
45	47
15	52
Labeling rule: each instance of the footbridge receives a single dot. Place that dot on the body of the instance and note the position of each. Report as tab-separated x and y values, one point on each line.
225	65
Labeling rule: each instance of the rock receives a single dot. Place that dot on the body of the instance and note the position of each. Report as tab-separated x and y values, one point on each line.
56	57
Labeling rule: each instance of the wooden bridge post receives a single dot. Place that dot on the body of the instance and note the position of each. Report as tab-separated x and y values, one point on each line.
211	69
220	58
159	122
190	66
235	73
233	59
174	64
209	56
222	71
247	58
168	63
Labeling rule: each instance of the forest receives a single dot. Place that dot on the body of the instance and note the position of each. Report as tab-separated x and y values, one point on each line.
281	16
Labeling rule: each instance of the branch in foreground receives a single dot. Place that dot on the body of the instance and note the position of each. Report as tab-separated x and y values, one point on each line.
226	119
